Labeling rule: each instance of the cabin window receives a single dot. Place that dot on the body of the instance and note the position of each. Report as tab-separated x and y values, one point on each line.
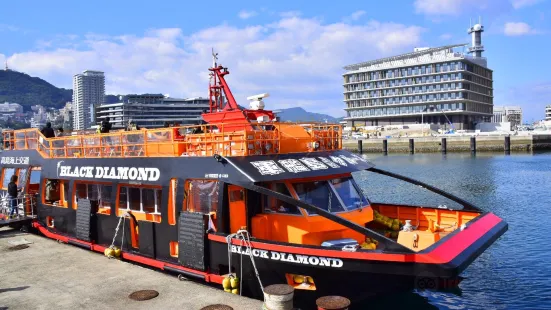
172	202
146	200
202	196
348	192
55	192
97	192
274	205
21	177
320	195
35	177
8	172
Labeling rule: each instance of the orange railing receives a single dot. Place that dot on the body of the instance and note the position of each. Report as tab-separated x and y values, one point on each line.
202	140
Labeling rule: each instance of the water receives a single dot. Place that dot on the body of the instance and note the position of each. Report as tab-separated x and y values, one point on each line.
515	272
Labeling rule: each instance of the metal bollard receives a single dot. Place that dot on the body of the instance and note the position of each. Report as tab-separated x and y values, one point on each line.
411	146
278	297
444	145
385	147
333	303
360	146
507	145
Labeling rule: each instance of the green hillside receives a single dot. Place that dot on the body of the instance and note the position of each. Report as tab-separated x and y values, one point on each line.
28	91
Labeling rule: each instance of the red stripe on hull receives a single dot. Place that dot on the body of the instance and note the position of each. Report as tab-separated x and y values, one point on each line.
128	256
442	254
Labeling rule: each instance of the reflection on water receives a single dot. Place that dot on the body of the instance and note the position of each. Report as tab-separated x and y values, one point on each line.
515	271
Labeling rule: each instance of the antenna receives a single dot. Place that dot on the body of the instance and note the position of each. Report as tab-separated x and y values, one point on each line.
214	58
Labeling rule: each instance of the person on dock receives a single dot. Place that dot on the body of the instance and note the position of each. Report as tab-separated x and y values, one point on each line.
48	131
13	192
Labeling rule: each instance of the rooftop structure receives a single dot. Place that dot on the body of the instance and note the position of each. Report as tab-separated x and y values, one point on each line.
548	113
152	111
511	114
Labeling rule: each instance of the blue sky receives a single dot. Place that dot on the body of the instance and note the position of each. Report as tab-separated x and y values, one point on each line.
295	50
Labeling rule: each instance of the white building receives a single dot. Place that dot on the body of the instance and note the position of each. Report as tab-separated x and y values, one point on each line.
548	113
511	114
438	85
39	117
10	108
88	92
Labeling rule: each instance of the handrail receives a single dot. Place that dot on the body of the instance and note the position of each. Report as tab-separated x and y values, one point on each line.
195	140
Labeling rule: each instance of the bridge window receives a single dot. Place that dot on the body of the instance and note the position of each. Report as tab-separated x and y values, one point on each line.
318	194
274	205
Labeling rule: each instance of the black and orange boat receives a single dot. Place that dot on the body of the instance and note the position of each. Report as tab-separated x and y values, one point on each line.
242	194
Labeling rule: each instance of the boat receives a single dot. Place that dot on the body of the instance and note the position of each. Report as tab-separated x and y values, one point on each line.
241	201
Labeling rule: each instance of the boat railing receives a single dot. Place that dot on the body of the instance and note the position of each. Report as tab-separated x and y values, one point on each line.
199	140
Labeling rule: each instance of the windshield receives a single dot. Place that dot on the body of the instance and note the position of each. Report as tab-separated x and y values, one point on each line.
336	195
318	194
348	193
274	205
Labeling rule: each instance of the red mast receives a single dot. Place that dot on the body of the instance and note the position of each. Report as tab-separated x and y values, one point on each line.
223	107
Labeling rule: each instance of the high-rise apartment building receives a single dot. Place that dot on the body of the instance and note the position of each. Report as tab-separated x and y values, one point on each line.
430	85
548	113
88	92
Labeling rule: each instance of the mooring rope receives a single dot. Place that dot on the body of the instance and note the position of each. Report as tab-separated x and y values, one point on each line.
244	237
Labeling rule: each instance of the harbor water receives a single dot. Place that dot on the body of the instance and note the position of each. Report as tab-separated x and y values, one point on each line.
515	272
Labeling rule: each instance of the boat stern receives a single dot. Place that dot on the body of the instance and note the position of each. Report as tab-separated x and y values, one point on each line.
455	252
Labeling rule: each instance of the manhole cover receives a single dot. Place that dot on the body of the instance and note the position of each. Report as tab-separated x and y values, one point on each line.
18	247
144	295
217	307
332	302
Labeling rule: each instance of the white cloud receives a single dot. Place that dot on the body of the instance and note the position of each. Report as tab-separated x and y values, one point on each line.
357	15
517	29
517	4
5	27
298	60
450	7
246	14
445	36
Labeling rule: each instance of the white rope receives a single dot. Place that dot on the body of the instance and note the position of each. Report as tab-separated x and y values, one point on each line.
244	237
121	219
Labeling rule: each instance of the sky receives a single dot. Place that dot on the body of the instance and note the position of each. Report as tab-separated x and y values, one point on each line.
294	50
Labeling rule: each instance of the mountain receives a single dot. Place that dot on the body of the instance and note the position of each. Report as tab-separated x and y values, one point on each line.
301	115
28	91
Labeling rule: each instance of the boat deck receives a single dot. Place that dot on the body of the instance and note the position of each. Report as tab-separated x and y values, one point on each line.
203	140
26	220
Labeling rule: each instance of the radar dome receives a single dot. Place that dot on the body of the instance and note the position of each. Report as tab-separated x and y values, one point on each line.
477	27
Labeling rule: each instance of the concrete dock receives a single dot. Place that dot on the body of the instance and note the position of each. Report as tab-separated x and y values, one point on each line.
521	143
50	275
